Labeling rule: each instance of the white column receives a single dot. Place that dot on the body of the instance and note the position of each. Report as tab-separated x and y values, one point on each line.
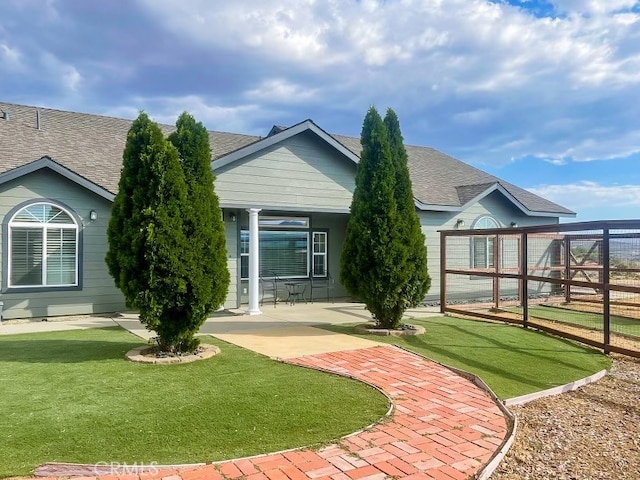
254	263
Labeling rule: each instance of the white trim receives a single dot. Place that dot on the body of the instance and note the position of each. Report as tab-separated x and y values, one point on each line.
486	241
254	263
286	208
44	227
46	162
267	142
319	254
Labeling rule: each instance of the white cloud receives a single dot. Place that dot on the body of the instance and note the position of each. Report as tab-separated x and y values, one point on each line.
475	44
287	29
165	110
282	91
486	80
10	57
584	195
71	78
66	75
596	145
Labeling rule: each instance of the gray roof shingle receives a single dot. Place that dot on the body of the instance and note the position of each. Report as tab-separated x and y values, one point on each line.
92	146
441	180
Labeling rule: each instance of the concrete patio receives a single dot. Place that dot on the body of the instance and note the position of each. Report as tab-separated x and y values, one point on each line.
284	331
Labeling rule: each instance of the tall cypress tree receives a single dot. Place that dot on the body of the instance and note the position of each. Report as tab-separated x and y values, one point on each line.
373	254
128	223
384	258
166	303
418	280
203	224
147	246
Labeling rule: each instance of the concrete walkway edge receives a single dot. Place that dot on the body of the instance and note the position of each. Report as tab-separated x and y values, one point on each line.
568	387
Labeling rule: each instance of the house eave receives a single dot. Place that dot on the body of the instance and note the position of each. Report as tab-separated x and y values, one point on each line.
283	208
495	187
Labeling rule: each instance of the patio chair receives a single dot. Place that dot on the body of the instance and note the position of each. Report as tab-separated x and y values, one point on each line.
269	285
324	283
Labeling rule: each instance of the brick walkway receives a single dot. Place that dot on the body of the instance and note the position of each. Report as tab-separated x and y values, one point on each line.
443	427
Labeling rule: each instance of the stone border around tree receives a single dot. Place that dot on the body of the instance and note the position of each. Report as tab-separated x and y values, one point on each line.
408	330
143	355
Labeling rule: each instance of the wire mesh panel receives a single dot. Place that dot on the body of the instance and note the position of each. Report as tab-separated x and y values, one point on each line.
624	285
580	280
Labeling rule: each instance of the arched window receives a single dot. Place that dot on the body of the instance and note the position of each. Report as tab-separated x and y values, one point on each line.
43	247
482	247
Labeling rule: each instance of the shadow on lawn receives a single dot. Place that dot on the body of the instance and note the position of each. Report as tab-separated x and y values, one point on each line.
61	350
463	353
553	355
466	361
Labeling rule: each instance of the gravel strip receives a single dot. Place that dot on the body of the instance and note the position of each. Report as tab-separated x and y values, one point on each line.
591	433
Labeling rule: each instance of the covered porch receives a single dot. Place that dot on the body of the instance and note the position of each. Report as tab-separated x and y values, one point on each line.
279	257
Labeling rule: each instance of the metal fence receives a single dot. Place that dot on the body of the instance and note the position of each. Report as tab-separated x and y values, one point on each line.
576	280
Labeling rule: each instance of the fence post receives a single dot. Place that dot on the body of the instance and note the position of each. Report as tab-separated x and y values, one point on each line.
496	267
567	268
606	300
525	278
443	275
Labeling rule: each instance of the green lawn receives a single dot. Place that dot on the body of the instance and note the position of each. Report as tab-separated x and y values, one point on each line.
511	360
624	325
71	397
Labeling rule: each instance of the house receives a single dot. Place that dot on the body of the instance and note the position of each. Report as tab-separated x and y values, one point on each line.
288	192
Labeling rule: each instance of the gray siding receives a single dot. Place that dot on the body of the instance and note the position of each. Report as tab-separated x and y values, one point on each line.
301	173
337	227
98	293
233	254
500	209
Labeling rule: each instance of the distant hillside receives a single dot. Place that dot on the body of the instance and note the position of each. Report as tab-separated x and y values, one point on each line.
623	249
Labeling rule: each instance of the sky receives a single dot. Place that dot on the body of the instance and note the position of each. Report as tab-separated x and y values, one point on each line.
542	93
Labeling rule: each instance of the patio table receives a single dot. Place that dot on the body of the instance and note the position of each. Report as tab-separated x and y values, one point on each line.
296	291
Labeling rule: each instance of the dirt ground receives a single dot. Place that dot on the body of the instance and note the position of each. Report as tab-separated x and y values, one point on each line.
591	433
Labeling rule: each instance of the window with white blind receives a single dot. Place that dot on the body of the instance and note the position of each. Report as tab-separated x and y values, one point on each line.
43	247
288	248
482	247
282	252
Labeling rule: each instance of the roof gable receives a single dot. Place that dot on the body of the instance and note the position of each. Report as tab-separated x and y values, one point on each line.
471	194
277	136
48	163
